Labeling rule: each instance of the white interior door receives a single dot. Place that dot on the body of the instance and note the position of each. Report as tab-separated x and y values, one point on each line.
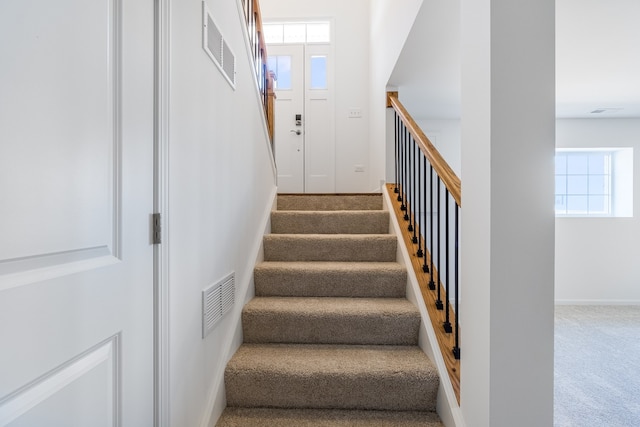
305	149
76	194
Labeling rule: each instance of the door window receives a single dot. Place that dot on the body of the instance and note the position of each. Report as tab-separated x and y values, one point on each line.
319	72
280	66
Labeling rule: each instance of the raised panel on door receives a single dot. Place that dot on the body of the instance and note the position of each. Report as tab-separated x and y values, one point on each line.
58	176
76	179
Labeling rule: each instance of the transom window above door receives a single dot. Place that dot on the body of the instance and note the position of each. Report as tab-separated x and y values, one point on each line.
297	32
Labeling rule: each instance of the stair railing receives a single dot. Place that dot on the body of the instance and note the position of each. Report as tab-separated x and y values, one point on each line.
253	19
428	193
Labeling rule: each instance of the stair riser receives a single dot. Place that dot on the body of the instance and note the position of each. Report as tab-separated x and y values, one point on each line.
363	249
330	223
266	327
397	393
330	284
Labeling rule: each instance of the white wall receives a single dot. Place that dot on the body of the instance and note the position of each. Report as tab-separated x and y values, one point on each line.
597	258
221	186
444	134
506	312
350	20
391	21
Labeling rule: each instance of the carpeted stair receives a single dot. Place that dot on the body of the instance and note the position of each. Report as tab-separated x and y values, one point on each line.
330	339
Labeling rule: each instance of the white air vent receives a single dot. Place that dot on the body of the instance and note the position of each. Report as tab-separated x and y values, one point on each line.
214	41
216	47
217	300
229	63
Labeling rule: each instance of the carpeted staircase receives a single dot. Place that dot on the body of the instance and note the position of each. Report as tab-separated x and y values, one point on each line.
330	339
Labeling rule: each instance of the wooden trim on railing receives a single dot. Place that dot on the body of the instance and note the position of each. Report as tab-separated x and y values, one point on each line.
442	168
271	107
261	42
389	96
253	17
446	341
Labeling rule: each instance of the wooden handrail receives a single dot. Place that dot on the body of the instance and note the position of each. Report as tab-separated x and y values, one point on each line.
442	168
253	17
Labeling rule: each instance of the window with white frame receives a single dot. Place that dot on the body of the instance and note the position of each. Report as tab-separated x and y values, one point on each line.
594	182
297	32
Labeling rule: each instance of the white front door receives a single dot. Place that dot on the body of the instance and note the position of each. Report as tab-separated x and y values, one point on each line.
76	194
304	117
287	64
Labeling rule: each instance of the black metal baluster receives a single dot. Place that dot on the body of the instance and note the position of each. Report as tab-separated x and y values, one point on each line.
432	285
447	322
400	157
439	304
419	206
414	203
456	348
402	162
425	268
396	148
410	200
404	169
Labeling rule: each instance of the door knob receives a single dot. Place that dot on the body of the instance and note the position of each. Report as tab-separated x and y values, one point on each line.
296	131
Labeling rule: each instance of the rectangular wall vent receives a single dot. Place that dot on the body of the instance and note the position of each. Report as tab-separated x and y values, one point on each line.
229	63
216	47
214	41
217	300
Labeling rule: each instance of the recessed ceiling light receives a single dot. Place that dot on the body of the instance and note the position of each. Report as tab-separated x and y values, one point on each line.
606	110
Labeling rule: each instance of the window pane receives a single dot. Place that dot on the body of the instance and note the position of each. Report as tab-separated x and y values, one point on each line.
281	67
577	204
318	72
598	205
577	164
583	183
598	184
561	184
561	163
597	163
561	204
273	33
272	64
577	184
318	33
295	33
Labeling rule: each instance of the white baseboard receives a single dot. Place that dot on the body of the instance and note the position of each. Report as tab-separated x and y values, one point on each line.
597	302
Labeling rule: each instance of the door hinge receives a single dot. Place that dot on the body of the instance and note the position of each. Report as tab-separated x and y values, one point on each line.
157	229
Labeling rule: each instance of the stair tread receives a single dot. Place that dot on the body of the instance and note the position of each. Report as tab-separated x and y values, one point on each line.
254	417
330	222
329	237
331	377
336	212
333	360
323	306
370	201
326	266
330	279
388	321
330	247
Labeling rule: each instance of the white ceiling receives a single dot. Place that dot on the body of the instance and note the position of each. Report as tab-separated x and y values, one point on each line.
597	60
